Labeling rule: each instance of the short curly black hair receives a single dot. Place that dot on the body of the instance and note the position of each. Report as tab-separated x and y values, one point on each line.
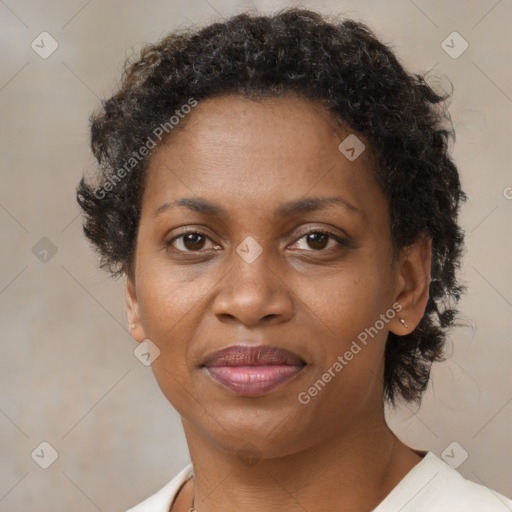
339	62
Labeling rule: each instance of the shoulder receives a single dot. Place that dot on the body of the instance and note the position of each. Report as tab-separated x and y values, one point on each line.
161	501
434	486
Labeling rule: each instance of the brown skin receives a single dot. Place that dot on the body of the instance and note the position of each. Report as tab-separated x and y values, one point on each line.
336	452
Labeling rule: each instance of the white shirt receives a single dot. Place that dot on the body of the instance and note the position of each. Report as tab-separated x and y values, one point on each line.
430	486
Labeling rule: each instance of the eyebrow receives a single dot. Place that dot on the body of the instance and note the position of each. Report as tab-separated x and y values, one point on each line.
288	209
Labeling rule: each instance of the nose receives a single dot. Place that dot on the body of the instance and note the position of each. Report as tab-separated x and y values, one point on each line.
253	293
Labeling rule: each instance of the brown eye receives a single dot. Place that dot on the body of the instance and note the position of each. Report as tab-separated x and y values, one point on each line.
317	241
192	241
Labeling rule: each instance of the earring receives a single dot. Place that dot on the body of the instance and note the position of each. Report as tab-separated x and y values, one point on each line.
404	323
132	326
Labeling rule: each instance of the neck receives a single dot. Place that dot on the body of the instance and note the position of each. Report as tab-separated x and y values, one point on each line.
352	470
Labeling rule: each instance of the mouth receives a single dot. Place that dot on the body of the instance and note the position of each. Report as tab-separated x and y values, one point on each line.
253	370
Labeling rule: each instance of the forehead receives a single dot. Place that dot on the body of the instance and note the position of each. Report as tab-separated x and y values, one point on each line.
242	152
284	122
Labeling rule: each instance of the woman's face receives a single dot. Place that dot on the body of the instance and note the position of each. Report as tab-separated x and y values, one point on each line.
248	274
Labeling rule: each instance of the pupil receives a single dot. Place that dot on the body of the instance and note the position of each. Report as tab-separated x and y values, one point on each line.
317	238
193	241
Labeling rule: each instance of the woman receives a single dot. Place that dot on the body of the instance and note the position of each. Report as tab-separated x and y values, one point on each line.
279	195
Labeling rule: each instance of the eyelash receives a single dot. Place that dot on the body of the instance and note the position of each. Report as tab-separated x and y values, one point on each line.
341	241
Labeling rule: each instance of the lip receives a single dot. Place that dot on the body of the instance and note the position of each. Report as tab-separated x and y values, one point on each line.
252	370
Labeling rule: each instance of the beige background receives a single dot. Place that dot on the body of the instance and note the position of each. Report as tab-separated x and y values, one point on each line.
68	374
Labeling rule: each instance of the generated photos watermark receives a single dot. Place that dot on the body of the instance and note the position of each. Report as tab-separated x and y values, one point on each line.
305	397
150	143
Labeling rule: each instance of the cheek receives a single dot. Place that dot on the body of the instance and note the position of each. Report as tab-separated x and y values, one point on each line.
350	306
351	299
169	314
167	300
351	352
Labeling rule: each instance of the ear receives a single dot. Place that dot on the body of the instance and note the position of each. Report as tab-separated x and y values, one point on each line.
133	312
413	285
